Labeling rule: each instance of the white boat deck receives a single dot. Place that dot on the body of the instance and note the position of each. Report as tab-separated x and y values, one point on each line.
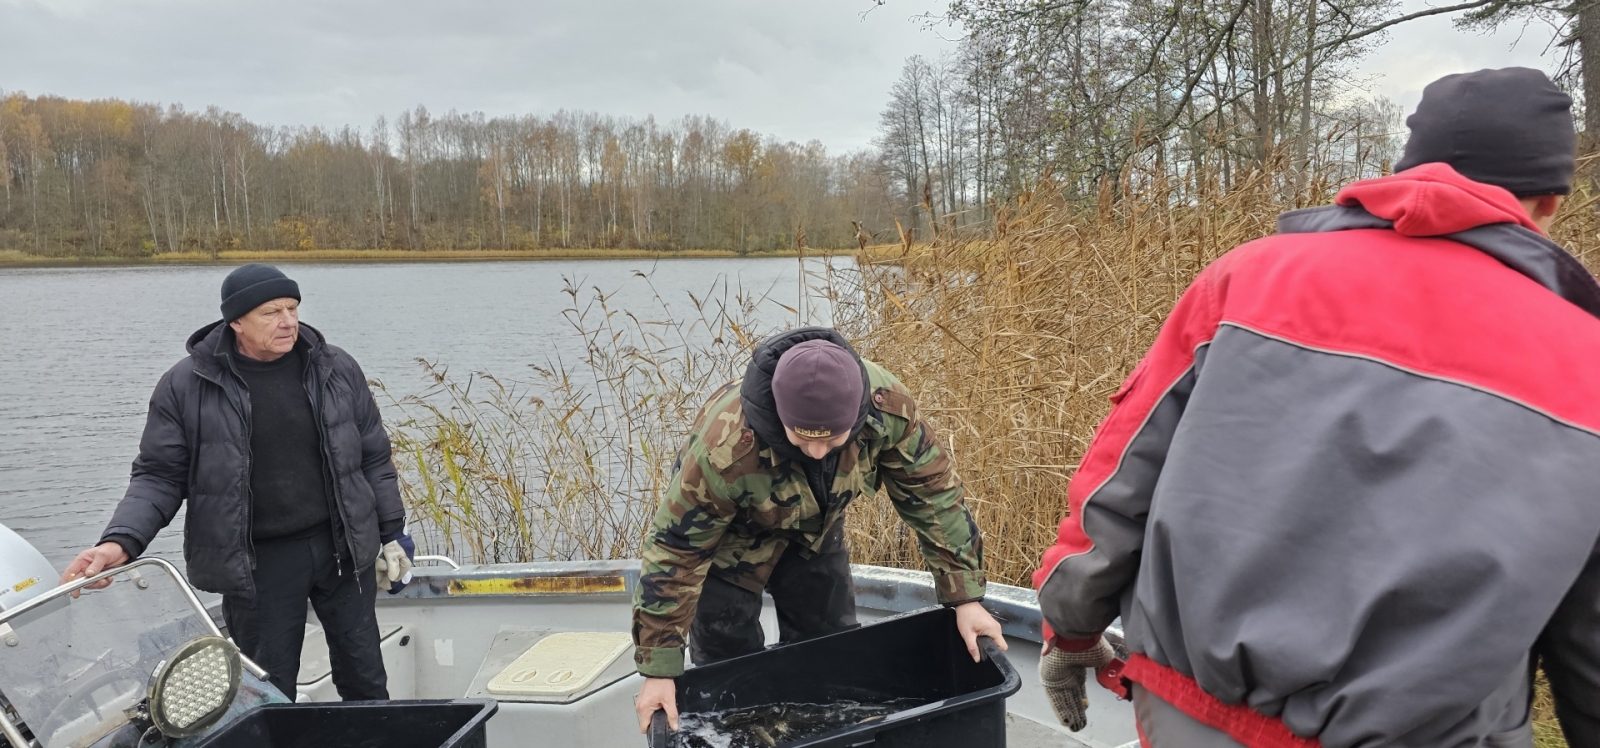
439	634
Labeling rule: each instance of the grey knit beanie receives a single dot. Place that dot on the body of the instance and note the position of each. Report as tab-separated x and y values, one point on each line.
817	387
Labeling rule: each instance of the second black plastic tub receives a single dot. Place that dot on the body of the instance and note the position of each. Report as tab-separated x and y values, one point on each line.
457	723
915	656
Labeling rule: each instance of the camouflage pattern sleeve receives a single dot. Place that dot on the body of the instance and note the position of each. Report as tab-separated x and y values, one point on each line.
927	493
678	551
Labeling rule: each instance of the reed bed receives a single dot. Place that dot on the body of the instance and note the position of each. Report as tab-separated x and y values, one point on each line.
18	257
571	463
1012	341
1014	344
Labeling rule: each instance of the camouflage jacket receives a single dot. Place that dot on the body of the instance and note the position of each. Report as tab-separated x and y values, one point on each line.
733	507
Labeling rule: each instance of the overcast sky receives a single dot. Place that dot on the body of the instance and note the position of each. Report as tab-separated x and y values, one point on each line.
799	70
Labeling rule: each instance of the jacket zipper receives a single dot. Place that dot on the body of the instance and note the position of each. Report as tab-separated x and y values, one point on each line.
331	474
249	458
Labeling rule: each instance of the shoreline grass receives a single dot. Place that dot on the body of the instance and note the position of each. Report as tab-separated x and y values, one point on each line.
572	464
1011	343
17	258
1055	310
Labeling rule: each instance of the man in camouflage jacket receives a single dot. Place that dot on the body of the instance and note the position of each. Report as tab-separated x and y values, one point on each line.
758	500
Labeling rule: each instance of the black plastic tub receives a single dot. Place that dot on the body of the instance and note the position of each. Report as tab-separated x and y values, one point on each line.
916	655
362	724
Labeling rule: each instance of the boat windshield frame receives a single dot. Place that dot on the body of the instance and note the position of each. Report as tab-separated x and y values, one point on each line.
10	730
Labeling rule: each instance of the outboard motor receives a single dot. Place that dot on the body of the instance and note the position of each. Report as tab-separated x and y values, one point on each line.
24	572
24	575
129	658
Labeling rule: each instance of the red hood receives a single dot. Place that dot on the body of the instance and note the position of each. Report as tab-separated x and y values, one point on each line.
1434	200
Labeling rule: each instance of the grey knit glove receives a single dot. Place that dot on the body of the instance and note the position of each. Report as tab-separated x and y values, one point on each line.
1065	676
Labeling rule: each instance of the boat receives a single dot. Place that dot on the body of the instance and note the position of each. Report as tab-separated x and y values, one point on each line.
85	668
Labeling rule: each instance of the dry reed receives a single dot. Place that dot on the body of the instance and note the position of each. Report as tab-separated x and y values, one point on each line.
571	464
18	257
1012	343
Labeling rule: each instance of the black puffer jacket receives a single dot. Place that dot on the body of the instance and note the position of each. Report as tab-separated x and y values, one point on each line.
196	448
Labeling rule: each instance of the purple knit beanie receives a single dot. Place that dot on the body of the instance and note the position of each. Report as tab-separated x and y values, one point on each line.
817	386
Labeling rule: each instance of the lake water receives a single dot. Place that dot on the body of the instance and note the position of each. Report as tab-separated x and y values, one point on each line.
81	349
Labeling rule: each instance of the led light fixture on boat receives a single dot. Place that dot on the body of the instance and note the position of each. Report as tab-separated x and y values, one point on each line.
192	689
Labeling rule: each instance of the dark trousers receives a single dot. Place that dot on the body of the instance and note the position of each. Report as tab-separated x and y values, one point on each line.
814	596
270	627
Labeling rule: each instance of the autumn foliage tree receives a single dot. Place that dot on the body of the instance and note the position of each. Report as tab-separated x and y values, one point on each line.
115	178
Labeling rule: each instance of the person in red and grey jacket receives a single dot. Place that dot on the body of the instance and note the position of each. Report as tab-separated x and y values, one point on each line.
1352	493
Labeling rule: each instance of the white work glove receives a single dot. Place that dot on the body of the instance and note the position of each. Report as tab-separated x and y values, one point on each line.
393	566
1065	677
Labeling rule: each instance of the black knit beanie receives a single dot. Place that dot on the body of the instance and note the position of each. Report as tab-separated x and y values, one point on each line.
250	286
1511	128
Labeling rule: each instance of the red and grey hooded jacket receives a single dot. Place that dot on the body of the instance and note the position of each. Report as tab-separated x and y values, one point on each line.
1355	483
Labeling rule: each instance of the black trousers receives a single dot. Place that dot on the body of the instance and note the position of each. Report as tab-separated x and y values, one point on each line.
814	596
270	627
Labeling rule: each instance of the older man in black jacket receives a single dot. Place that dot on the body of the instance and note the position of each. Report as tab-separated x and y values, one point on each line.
273	438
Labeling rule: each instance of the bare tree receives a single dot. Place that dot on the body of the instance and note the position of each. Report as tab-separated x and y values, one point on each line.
117	178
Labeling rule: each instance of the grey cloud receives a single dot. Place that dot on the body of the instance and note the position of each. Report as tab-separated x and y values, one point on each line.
1423	51
796	70
799	70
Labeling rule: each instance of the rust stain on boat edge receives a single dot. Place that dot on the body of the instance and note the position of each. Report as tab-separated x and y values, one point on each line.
567	585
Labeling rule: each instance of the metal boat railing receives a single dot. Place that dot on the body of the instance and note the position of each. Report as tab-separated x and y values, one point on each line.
163	564
9	730
446	560
877	587
890	590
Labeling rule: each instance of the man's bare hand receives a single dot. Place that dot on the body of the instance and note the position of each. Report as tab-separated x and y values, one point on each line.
973	621
658	693
93	561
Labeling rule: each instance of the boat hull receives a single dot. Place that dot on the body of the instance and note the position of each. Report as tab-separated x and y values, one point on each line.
443	633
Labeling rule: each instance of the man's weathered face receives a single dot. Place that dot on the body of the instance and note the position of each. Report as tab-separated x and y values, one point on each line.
816	449
270	330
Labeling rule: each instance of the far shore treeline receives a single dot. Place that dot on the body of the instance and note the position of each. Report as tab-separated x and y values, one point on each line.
1095	104
1047	193
1055	101
114	178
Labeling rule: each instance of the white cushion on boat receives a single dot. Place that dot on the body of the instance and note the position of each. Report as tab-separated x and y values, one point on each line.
561	663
